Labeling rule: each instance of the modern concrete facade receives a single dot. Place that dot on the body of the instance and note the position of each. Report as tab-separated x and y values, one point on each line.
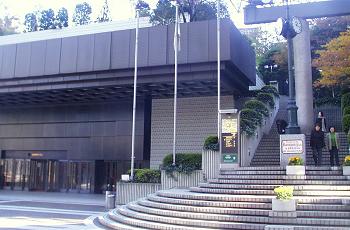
66	101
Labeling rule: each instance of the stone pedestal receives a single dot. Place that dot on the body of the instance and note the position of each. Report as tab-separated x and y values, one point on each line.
292	145
303	78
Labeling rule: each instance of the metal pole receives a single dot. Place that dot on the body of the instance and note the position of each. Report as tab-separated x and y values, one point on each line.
135	92
218	62
175	85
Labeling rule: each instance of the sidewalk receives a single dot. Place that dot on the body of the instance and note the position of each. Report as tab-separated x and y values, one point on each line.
53	197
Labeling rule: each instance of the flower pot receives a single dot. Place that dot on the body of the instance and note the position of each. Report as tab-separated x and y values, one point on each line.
283	205
295	170
346	170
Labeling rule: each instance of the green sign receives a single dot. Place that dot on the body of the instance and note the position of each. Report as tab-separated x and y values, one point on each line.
230	158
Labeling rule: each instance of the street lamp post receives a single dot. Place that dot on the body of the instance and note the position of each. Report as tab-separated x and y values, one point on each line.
270	67
290	27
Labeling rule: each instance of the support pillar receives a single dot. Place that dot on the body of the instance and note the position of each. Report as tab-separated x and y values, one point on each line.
303	78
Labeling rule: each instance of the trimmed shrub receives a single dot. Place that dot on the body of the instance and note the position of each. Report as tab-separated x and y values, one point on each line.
184	163
346	110
146	176
345	101
211	143
346	123
248	127
258	106
270	89
327	101
251	115
266	98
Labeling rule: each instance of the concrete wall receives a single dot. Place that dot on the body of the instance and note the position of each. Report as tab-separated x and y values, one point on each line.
196	117
78	132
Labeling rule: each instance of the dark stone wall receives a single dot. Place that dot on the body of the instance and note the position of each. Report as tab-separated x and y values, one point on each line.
75	132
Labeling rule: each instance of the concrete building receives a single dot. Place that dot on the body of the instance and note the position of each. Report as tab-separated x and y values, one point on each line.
66	100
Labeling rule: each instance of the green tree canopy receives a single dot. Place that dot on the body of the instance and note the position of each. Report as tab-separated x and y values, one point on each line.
82	14
47	20
30	22
62	18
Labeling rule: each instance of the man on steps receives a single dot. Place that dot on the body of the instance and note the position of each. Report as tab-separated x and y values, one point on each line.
317	143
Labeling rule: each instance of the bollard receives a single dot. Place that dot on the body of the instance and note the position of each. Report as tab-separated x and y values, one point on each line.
110	200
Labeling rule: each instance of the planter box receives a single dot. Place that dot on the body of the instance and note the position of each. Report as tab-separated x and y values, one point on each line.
128	192
211	164
181	180
346	170
295	170
284	205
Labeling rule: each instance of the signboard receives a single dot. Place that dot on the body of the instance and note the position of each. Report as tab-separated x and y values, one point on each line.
229	139
292	146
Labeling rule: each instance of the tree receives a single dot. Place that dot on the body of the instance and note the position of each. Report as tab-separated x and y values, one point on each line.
334	62
82	14
144	9
30	22
105	15
47	20
8	25
62	18
196	10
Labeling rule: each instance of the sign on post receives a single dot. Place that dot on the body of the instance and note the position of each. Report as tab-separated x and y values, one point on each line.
229	138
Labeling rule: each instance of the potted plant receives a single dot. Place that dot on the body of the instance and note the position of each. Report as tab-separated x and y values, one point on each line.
284	201
295	166
346	166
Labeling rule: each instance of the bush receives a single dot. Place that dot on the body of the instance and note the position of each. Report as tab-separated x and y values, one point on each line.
327	101
184	163
346	123
251	115
257	106
295	161
349	137
211	143
345	101
346	110
345	90
270	89
284	192
347	161
248	127
266	98
146	176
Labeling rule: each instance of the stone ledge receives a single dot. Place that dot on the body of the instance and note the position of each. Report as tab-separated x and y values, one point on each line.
283	214
278	227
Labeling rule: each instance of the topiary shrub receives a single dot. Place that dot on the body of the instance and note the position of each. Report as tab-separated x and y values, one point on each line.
346	123
345	101
211	143
184	163
257	106
266	98
270	89
251	115
346	110
146	176
248	127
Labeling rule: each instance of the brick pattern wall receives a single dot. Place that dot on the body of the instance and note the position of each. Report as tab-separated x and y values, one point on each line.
196	119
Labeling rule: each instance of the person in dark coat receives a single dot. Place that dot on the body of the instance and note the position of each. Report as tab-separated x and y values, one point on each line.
321	120
317	143
281	126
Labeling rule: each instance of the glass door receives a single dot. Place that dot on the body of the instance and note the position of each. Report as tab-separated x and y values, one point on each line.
80	176
38	175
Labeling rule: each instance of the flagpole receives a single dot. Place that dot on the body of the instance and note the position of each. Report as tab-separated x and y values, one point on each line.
135	92
218	62
175	85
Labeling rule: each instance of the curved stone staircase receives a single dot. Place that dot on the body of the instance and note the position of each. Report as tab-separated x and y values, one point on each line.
241	199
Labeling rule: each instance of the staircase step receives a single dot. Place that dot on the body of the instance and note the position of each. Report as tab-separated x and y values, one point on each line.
280	182
323	207
282	177
324	214
105	220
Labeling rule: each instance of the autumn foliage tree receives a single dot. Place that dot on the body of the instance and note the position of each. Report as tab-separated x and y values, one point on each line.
334	62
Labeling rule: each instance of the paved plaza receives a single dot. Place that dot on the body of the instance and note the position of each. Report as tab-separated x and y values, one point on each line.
42	210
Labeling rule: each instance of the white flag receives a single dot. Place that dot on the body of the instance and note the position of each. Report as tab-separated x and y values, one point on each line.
177	33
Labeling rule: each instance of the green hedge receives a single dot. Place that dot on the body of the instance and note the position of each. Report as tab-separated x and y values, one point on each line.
146	176
349	137
251	115
266	98
346	123
211	143
345	101
184	163
346	110
257	106
327	101
270	89
248	127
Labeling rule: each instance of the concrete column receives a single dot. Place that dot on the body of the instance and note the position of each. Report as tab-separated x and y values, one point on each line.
303	78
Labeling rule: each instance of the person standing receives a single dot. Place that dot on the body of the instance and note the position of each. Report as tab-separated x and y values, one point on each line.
317	143
322	121
333	146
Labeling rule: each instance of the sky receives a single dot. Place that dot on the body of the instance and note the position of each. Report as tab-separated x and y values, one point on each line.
120	9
